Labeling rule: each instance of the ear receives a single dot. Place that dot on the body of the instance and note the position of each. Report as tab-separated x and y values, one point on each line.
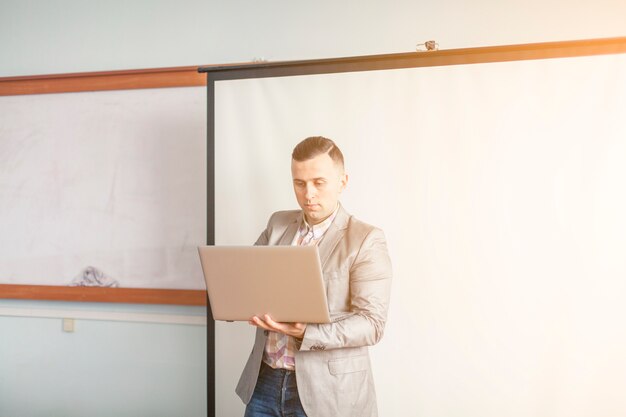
343	181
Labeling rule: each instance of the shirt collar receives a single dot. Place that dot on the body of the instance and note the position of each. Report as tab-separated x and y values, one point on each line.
319	229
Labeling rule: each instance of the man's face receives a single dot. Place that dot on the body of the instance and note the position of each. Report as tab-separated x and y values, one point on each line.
318	182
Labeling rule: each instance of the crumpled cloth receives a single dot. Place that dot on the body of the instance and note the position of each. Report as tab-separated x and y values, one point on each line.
93	277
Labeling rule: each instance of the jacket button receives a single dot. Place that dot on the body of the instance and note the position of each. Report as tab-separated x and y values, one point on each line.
265	332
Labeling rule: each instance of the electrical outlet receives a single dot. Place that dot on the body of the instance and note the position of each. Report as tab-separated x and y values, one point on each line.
68	325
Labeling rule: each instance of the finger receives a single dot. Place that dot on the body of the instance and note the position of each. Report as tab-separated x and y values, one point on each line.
267	319
260	323
275	325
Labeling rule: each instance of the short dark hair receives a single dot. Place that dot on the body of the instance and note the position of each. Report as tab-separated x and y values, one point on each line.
317	145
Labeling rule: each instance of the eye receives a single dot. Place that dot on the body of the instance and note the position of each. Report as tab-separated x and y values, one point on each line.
320	182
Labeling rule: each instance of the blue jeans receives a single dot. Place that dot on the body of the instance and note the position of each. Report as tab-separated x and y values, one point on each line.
275	394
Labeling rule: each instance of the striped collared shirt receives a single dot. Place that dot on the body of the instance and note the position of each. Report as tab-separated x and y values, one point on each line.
280	349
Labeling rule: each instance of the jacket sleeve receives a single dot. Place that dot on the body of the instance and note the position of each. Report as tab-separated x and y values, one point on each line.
369	292
263	239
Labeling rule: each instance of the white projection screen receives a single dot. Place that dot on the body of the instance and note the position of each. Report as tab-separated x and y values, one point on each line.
501	189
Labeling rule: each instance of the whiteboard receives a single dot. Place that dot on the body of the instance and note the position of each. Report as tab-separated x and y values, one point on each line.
500	189
115	180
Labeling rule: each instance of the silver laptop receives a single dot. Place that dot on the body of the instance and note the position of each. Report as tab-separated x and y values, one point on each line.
282	281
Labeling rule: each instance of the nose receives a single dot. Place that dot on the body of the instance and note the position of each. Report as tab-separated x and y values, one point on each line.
310	192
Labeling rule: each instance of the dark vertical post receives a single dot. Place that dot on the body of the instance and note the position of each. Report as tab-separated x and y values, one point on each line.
210	239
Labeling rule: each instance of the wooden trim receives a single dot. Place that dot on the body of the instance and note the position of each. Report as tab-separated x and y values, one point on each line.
102	81
104	295
483	54
491	54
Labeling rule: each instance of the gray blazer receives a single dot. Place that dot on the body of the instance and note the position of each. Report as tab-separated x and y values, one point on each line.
333	369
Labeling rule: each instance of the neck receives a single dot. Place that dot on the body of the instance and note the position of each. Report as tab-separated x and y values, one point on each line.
314	222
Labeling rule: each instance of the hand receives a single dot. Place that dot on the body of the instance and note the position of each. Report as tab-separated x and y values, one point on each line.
291	329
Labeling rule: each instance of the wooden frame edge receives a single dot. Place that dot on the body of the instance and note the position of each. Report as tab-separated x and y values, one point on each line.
462	56
104	295
102	81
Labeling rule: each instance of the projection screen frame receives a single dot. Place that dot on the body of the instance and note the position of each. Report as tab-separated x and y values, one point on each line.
480	55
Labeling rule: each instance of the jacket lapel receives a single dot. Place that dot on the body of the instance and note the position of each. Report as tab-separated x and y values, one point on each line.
290	231
333	235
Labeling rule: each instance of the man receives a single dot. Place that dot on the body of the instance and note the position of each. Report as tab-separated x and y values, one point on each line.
322	370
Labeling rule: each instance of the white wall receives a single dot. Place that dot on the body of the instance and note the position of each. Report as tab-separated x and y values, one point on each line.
52	161
117	364
58	36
